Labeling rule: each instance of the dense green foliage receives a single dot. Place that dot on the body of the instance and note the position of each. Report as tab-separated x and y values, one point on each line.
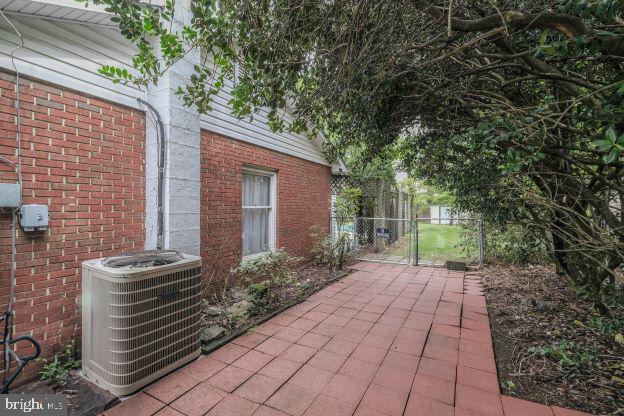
513	244
265	276
516	107
424	195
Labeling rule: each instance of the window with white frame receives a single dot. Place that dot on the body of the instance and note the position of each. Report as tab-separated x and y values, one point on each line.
258	211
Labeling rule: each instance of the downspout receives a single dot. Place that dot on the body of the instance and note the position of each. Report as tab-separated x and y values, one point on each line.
161	173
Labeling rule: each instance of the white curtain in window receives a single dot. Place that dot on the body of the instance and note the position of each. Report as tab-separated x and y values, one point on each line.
256	213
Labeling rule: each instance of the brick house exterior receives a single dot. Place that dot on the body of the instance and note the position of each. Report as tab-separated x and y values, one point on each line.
303	200
85	159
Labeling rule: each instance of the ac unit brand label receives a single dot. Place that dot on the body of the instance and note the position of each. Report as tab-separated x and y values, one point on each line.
33	405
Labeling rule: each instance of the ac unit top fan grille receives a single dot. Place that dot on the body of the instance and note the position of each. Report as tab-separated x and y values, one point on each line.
147	258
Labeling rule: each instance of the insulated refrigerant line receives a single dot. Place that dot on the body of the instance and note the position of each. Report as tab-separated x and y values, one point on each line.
160	138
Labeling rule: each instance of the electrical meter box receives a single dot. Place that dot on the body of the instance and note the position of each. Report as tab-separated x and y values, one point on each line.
34	217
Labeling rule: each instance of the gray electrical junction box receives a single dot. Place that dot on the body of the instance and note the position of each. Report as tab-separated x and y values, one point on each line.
34	217
10	195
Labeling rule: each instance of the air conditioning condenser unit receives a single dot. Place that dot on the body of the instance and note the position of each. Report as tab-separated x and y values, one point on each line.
140	317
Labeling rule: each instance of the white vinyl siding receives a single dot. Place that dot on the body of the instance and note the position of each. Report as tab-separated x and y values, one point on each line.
258	212
257	131
69	54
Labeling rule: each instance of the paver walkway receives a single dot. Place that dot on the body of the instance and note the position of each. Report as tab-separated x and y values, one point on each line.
385	340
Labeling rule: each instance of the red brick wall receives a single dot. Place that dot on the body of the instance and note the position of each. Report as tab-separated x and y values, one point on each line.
303	200
85	159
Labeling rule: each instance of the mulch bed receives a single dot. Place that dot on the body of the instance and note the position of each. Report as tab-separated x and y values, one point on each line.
310	277
550	346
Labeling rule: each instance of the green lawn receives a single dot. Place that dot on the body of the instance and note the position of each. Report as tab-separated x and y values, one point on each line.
439	242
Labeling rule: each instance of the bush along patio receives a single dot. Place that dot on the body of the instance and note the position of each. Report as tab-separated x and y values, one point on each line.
265	284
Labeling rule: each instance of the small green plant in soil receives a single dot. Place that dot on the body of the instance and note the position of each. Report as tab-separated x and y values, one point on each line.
303	287
258	293
328	253
59	366
322	247
566	353
605	325
233	320
509	386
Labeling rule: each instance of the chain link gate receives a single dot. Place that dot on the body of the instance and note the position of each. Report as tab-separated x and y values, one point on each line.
420	241
451	239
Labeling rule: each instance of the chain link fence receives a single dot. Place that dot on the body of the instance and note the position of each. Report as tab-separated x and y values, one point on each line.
420	241
390	228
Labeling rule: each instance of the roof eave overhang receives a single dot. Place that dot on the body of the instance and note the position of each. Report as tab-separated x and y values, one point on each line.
63	10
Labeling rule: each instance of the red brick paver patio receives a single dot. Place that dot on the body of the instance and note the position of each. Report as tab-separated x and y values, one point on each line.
385	340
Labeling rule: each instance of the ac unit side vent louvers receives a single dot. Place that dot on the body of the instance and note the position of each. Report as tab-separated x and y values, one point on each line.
139	323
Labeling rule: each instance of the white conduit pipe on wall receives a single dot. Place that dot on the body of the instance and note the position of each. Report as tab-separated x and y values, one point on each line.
18	168
160	139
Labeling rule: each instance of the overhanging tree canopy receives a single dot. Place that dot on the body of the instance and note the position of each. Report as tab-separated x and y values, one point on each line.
515	106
